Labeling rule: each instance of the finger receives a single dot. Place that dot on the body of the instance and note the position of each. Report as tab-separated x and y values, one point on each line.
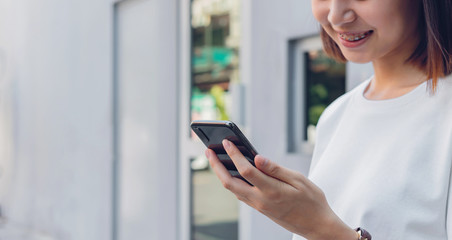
277	171
235	185
245	168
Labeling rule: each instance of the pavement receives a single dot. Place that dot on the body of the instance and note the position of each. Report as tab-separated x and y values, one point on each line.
215	210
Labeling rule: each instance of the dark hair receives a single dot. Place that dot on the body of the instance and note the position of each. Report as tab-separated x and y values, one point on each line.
433	55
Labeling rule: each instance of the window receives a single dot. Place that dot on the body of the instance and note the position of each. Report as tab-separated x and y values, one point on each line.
315	81
214	67
214	57
324	82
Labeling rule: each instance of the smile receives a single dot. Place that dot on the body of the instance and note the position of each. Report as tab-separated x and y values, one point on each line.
353	37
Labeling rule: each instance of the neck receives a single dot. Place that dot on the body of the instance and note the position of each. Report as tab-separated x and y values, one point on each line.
393	78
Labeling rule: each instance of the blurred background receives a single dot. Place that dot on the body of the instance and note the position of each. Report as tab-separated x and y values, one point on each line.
96	98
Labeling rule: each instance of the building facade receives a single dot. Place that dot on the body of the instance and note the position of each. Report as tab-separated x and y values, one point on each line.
96	98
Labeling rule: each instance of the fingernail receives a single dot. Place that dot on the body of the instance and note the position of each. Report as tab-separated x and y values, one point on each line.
208	154
226	143
265	162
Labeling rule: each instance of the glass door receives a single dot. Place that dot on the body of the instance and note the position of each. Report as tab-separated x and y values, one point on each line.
211	39
214	68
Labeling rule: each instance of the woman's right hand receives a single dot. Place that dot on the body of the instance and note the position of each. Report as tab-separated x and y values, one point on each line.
285	196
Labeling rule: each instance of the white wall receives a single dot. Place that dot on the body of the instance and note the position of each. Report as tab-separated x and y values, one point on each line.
147	119
267	28
58	115
56	122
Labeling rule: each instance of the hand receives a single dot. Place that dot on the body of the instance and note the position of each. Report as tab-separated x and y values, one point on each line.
285	196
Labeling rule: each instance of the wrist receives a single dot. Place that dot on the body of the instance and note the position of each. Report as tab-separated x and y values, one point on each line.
336	230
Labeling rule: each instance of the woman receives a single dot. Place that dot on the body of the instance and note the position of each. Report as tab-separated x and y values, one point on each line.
383	155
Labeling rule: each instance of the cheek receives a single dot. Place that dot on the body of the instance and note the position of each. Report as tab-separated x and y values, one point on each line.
320	11
386	18
389	26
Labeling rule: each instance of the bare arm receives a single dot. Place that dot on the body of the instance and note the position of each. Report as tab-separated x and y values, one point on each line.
285	196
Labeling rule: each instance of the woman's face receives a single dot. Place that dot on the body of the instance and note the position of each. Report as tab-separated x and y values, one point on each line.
370	30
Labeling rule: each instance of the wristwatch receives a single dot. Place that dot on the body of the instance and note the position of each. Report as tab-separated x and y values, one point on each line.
363	234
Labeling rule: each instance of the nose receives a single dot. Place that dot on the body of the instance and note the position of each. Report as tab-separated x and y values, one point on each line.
340	13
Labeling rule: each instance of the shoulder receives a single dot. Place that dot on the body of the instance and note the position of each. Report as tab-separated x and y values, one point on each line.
445	86
332	116
330	120
443	94
442	102
340	105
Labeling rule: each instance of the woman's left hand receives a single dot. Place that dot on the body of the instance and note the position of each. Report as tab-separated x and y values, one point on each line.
285	196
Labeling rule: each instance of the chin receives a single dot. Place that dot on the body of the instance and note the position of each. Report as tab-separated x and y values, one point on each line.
357	58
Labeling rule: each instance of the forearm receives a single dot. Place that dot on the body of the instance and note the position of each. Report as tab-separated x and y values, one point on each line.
334	229
344	233
285	196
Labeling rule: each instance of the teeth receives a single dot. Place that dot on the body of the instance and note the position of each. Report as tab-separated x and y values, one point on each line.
353	37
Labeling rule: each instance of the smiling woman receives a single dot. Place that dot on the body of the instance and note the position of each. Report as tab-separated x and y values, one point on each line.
387	27
382	159
419	28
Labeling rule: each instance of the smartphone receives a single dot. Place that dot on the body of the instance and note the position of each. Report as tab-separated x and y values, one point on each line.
212	134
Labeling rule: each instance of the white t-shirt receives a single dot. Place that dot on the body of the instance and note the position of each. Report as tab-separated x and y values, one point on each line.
386	165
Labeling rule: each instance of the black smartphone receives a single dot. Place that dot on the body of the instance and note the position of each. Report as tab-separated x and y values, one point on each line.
212	134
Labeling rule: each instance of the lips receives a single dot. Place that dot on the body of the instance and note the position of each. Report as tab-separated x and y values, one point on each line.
353	37
353	40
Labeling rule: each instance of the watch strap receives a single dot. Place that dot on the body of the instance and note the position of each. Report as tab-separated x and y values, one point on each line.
363	234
